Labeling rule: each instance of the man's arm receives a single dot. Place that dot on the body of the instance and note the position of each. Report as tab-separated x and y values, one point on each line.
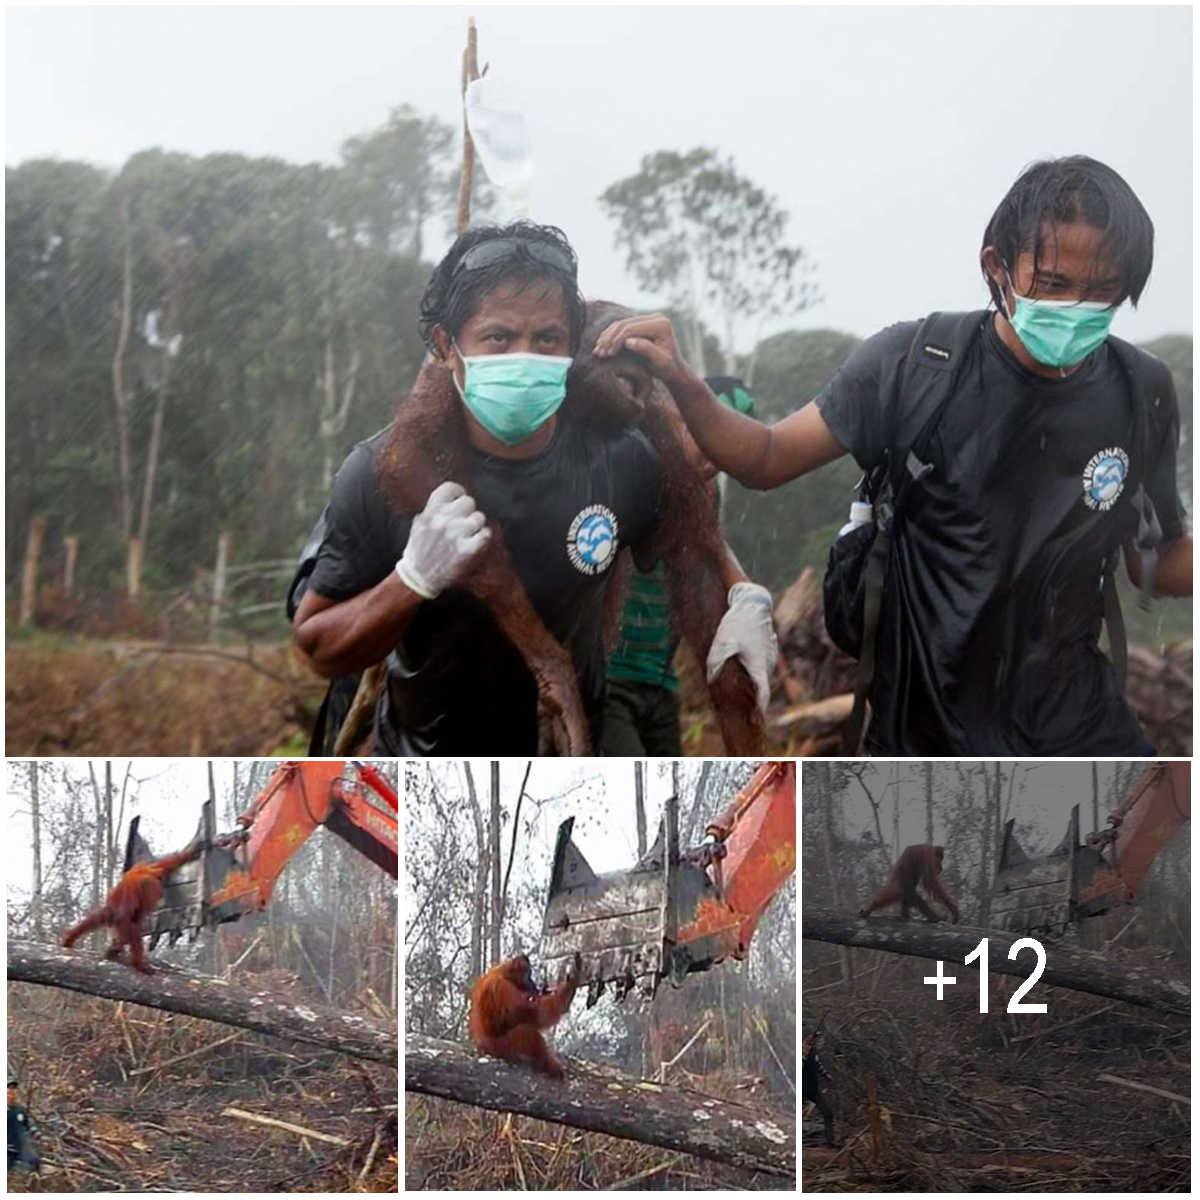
1172	571
757	456
340	637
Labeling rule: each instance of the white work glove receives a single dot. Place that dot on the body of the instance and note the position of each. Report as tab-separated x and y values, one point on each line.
444	539
747	632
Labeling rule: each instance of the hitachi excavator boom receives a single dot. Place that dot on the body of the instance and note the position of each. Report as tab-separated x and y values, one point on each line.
675	911
1074	881
236	872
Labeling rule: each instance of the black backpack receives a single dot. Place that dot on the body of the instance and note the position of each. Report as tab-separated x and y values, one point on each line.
857	564
340	694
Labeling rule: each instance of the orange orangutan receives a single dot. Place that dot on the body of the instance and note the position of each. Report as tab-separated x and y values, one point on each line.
917	865
135	895
508	1010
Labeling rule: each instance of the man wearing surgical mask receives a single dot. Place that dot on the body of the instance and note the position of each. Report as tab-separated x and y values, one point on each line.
503	313
1042	463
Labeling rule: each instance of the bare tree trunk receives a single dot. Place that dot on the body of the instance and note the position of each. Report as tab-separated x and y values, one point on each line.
212	999
928	803
109	838
1065	966
71	550
598	1098
639	805
29	576
480	891
120	396
215	951
98	838
335	412
699	802
35	811
494	856
152	456
823	777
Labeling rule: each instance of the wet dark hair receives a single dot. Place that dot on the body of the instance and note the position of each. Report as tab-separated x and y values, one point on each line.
1062	190
534	254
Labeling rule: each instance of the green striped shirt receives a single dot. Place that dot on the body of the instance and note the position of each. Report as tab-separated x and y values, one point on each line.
647	645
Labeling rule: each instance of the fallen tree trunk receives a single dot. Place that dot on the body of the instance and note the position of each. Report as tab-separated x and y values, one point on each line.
607	1101
202	996
1065	966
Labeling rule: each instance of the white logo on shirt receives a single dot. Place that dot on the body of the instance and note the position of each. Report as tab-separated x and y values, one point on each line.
592	539
1104	478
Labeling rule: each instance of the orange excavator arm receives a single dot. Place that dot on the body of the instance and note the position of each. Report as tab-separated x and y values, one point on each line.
675	911
1078	880
1156	809
237	872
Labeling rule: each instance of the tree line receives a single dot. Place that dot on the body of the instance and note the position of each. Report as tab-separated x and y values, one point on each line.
194	343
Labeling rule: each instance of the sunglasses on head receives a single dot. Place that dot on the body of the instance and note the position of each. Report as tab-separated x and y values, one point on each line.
488	254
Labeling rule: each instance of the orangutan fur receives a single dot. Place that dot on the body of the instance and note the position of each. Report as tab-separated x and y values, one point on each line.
429	444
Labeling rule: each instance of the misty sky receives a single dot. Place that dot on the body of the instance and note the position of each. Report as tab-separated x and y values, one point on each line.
1043	793
889	134
167	793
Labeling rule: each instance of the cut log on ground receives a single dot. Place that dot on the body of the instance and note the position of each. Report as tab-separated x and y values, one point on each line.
202	996
1065	967
604	1100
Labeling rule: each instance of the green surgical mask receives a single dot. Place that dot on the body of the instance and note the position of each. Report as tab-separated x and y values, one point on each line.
513	395
1060	333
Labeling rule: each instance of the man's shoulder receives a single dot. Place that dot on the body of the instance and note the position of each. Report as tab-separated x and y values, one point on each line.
359	463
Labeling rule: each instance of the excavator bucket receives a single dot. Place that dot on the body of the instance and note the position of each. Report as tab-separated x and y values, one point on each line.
188	889
675	911
1036	895
1084	880
621	923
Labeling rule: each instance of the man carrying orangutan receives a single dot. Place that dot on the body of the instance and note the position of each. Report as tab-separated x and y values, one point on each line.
503	314
1027	451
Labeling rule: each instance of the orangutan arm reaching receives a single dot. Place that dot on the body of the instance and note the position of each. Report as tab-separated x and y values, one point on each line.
756	455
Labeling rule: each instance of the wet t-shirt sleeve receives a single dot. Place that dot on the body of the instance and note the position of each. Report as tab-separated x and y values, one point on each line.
362	539
1162	484
858	402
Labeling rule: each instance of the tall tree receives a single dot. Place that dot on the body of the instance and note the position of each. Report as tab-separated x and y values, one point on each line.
711	241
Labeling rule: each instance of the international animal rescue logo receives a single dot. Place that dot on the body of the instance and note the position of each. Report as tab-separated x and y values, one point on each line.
1104	478
592	539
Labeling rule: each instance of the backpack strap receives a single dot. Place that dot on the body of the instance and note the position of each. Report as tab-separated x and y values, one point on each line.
940	345
1150	383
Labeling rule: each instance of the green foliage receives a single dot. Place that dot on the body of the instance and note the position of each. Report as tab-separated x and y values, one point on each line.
776	534
273	316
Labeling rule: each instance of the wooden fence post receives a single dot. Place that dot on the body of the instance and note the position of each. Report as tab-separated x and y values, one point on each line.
134	567
71	545
33	552
218	592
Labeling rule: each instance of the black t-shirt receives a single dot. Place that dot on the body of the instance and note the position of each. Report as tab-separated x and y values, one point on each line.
456	685
992	607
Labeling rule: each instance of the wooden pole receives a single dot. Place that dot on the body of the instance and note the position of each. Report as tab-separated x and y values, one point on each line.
133	568
470	71
71	546
353	732
218	592
33	552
